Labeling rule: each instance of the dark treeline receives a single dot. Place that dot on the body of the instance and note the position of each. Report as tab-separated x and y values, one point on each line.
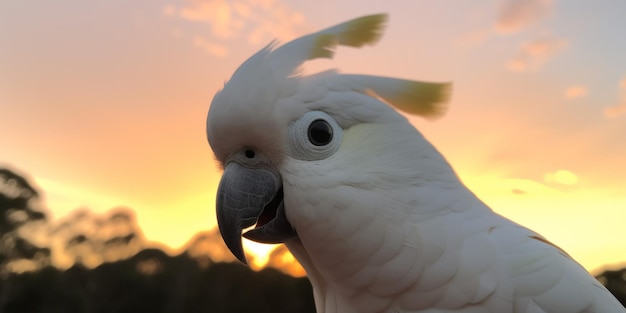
92	263
151	281
101	263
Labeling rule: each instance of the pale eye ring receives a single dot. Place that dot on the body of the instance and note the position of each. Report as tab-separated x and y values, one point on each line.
314	136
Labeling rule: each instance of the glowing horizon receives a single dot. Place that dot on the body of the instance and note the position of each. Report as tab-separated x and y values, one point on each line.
500	193
105	105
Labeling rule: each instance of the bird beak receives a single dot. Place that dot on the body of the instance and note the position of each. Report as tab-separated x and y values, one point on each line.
247	196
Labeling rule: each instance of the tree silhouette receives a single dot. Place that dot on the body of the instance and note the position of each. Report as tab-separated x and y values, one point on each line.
104	265
22	222
615	281
154	282
90	239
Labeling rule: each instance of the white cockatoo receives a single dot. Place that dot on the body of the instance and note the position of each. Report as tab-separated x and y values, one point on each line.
372	211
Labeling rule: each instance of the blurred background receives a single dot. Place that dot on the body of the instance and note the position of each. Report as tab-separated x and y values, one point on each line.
107	183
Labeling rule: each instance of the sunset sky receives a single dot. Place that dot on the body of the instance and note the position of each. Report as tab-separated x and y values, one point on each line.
103	103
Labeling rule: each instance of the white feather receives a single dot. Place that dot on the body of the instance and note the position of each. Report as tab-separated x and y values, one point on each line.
384	224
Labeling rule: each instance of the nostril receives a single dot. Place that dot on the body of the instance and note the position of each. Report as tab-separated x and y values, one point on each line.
249	154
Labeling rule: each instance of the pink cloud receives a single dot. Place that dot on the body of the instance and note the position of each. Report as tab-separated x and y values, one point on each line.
169	10
473	39
575	92
615	110
513	16
256	20
217	13
533	54
620	108
210	47
518	14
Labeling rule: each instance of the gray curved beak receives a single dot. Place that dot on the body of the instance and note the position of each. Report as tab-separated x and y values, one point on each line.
248	196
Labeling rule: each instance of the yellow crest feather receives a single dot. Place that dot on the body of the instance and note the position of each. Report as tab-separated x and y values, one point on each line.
362	30
425	99
353	33
323	47
419	98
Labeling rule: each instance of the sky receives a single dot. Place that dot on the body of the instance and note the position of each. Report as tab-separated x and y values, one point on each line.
103	103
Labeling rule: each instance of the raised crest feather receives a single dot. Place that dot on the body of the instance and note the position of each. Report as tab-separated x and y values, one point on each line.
424	99
354	33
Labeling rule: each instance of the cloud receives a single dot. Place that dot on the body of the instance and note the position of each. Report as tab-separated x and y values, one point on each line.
562	177
513	16
169	10
257	21
533	54
518	14
575	92
615	110
473	38
620	108
517	191
210	47
219	14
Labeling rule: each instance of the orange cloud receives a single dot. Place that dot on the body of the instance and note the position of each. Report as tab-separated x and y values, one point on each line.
169	10
218	13
615	110
257	21
473	39
518	14
534	54
514	16
620	108
210	47
562	177
575	92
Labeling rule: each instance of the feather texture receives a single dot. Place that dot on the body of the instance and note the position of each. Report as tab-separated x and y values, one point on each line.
355	33
383	223
424	99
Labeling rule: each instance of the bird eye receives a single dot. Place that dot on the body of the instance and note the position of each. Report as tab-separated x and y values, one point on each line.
314	136
249	153
320	132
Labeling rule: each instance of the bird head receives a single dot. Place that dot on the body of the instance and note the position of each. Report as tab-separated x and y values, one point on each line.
301	153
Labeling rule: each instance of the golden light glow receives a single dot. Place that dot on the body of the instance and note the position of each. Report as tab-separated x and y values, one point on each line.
575	92
260	252
562	177
560	216
284	260
113	112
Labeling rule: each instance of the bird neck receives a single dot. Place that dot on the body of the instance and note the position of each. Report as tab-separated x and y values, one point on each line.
329	297
367	276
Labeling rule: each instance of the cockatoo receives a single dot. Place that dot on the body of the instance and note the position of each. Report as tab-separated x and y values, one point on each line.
374	213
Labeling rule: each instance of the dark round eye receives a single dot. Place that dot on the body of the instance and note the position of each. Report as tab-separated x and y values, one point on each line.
249	154
320	133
